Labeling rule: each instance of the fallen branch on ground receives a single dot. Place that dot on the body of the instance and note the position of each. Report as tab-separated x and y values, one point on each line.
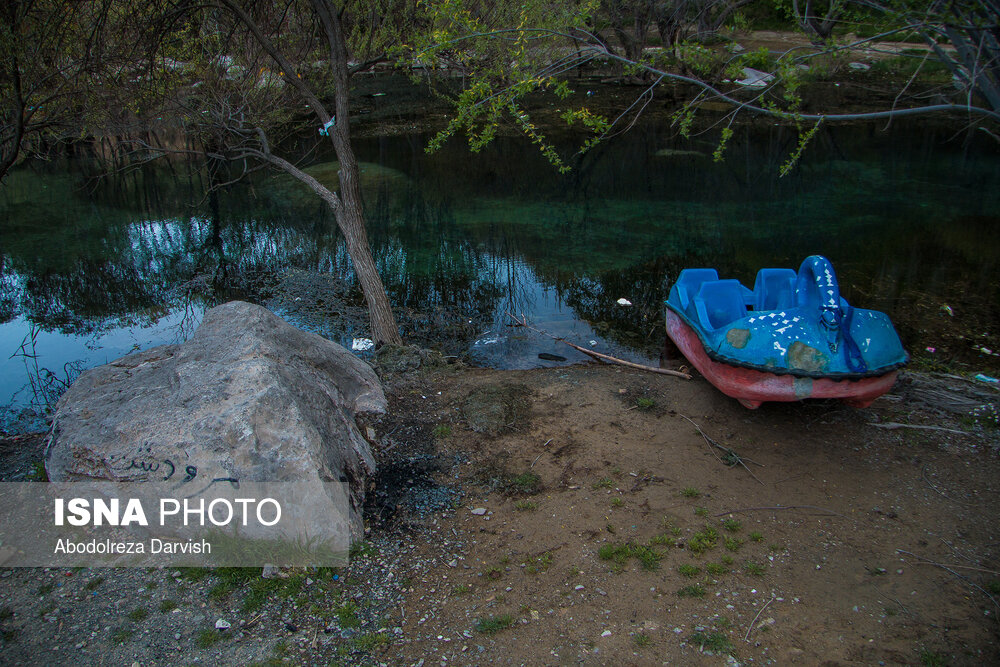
731	458
923	475
598	355
892	426
964	578
746	638
780	507
965	567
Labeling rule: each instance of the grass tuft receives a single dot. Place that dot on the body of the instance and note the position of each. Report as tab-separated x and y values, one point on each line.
138	614
525	505
692	591
688	570
716	569
621	553
491	625
527	483
716	642
208	638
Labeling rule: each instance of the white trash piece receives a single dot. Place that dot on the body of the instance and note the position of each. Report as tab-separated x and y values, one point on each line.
624	302
754	78
362	344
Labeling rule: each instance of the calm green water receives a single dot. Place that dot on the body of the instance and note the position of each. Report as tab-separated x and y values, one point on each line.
92	269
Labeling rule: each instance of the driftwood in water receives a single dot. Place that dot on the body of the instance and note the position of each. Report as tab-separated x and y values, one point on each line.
598	355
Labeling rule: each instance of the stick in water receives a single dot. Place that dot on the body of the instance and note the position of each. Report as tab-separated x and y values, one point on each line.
599	355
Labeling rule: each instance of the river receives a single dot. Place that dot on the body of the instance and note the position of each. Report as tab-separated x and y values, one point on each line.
92	268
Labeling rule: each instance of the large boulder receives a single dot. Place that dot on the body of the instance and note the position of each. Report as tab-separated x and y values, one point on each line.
248	397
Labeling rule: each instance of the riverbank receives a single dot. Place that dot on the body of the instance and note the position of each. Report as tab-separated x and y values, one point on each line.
591	519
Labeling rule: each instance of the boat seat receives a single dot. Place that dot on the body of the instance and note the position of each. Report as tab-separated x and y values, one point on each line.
774	289
689	282
719	302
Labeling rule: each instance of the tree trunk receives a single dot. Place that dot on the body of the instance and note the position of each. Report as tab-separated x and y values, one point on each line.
350	215
351	221
347	209
822	28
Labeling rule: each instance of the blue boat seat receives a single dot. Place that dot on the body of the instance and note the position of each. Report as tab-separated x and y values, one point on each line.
774	289
689	282
719	302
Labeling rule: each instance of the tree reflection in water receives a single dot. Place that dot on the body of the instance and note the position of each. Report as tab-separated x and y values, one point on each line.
99	267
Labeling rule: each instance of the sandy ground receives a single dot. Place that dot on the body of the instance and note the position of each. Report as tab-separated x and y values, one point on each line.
592	522
825	579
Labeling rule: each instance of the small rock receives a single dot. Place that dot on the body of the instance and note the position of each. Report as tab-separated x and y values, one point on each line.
479	511
177	635
270	571
223	624
453	562
579	587
862	67
606	633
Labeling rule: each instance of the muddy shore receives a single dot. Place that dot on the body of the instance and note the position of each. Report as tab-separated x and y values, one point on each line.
594	520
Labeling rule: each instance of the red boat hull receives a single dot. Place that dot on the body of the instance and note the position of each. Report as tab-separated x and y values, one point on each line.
752	387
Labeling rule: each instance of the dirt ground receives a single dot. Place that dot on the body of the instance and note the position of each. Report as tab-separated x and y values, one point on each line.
577	515
822	551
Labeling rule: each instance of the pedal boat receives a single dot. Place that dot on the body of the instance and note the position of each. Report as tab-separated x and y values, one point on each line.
790	338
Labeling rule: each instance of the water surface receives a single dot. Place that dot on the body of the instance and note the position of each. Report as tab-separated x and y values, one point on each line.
91	269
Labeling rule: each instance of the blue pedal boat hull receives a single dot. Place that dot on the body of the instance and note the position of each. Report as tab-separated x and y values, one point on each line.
794	332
